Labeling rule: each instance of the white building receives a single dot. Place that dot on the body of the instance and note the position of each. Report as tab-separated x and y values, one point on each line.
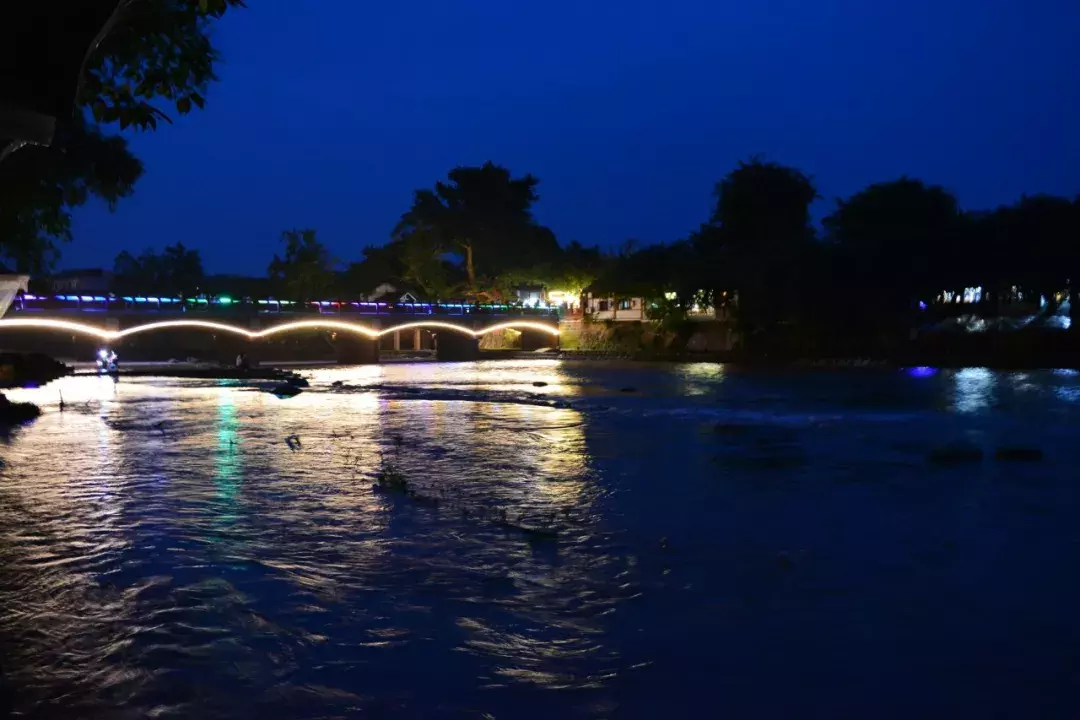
625	309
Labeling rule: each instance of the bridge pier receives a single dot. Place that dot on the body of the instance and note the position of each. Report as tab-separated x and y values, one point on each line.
453	346
537	339
353	349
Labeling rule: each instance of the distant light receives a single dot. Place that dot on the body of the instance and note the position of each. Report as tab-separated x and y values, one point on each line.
922	371
224	300
153	299
140	299
86	298
29	297
922	305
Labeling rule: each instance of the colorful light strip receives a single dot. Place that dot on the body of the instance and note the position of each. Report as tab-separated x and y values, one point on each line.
111	335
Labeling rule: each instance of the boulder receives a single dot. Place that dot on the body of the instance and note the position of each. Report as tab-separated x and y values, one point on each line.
955	453
1018	454
16	413
285	390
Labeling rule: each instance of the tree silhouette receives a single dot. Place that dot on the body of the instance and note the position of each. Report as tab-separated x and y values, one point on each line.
39	186
898	245
151	58
759	234
483	214
306	271
176	271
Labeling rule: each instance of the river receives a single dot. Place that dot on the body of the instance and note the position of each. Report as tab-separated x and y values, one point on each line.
593	540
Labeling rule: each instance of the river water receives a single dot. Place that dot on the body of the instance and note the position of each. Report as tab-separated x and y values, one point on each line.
631	540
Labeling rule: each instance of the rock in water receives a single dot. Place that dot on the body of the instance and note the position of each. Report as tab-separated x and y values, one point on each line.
628	389
727	428
539	383
16	413
955	453
285	390
297	381
1018	454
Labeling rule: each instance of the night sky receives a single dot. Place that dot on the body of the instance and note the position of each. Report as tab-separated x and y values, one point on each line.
329	113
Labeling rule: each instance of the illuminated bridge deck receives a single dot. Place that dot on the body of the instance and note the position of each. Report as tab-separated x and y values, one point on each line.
355	326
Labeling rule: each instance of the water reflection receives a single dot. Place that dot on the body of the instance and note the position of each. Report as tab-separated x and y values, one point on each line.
565	549
973	389
700	378
221	541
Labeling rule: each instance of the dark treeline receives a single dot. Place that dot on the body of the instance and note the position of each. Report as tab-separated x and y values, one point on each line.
879	266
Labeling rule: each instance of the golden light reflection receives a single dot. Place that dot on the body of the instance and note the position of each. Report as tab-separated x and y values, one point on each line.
700	378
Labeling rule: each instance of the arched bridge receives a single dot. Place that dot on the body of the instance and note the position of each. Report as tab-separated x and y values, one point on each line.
357	330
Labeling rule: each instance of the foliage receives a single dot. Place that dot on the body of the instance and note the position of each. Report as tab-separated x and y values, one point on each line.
176	271
150	51
154	50
39	186
306	271
760	233
424	265
576	268
883	236
379	265
482	214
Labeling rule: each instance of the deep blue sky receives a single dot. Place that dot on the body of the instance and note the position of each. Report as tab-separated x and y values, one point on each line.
329	113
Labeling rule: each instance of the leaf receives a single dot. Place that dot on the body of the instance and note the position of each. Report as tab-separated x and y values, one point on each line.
184	105
198	100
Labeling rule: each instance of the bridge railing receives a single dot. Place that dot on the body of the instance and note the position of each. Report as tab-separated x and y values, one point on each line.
224	305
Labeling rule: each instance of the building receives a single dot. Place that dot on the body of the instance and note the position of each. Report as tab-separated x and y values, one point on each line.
567	303
531	295
609	308
91	281
636	309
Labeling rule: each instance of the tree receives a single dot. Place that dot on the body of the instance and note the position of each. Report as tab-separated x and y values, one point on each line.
39	187
899	241
1041	233
379	265
152	51
759	234
426	267
483	214
150	56
307	270
576	268
176	271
